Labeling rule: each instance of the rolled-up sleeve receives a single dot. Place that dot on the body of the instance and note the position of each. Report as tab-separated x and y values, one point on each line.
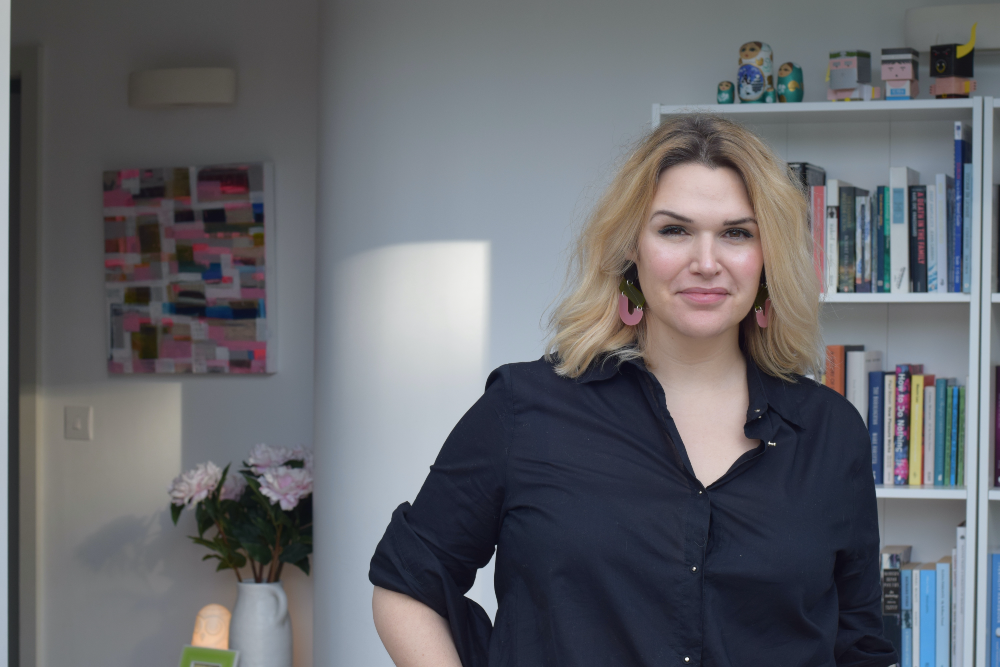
860	641
432	550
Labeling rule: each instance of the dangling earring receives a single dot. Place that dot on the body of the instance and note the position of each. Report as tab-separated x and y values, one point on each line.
762	306
630	300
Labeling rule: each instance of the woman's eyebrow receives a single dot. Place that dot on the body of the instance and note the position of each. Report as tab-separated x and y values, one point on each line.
681	218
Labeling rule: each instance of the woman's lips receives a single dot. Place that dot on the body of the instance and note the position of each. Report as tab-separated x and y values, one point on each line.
704	296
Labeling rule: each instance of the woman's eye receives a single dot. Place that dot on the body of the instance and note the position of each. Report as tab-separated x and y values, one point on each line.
672	230
738	233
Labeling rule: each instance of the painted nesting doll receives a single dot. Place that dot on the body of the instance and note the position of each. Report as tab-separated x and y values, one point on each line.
724	94
756	73
790	83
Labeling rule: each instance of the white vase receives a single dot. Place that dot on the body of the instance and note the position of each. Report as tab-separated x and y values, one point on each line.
260	629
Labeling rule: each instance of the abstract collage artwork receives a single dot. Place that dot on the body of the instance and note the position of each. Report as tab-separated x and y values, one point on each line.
186	269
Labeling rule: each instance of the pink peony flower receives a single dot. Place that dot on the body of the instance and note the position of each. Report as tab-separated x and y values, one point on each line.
194	486
286	486
263	457
232	488
300	453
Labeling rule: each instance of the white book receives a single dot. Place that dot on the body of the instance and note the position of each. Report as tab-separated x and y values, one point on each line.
854	378
954	608
930	423
900	179
942	183
832	232
958	599
889	430
932	242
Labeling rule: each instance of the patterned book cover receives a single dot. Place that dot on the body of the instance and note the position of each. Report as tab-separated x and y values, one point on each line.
901	471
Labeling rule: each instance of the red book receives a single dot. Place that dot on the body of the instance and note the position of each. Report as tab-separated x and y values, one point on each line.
835	376
818	201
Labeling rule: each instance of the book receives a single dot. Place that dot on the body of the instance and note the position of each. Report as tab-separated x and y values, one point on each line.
809	175
900	179
902	420
960	454
967	207
942	612
858	364
906	584
863	207
958	596
876	427
928	614
889	429
963	154
930	429
941	387
951	433
953	454
886	235
818	220
953	634
832	231
879	281
944	205
835	368
847	241
932	238
916	476
993	630
918	238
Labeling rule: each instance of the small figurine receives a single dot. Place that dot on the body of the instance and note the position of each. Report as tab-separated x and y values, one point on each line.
756	63
769	96
211	627
790	83
849	75
901	73
724	94
951	65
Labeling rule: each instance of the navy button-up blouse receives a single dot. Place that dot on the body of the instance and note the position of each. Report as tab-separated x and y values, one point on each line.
609	551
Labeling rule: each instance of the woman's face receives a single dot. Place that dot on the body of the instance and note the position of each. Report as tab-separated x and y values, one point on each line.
699	258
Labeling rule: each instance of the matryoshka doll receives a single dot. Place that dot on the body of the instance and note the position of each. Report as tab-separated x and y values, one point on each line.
790	83
756	71
724	94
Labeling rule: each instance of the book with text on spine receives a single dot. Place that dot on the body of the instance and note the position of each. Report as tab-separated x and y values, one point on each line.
848	240
940	423
945	209
876	427
889	429
918	238
900	179
916	476
818	207
963	154
832	231
932	238
902	421
930	428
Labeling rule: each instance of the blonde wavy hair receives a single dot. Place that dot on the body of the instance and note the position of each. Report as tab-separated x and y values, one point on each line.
585	326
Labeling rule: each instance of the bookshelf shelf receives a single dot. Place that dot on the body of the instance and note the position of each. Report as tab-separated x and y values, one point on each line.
928	297
922	492
993	494
831	112
995	298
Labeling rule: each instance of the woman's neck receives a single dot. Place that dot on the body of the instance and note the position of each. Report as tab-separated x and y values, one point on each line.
694	364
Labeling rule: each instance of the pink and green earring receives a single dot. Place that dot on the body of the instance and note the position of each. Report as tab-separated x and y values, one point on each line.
762	306
630	298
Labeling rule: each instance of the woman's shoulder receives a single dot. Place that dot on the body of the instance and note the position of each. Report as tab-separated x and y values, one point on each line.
542	373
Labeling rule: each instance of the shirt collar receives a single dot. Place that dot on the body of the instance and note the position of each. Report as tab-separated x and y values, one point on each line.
766	391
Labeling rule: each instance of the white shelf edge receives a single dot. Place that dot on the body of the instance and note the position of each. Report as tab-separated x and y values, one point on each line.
993	494
884	297
814	107
994	298
922	492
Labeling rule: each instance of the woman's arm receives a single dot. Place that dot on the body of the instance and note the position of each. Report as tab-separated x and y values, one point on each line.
413	633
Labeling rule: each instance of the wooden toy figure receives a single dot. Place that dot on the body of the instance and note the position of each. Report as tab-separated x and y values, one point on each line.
849	75
756	71
900	72
951	65
790	83
724	94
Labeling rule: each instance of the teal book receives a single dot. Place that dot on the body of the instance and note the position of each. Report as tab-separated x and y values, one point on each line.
947	433
953	445
928	616
961	436
941	387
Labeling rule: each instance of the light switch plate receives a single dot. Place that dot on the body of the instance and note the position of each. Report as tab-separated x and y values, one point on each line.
79	422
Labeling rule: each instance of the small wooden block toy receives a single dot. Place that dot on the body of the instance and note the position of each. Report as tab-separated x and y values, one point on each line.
901	73
790	83
756	72
724	93
951	65
849	77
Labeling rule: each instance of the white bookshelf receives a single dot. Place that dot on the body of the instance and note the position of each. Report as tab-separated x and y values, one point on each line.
858	142
989	507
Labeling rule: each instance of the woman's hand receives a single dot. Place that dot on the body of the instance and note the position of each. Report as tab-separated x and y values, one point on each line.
413	633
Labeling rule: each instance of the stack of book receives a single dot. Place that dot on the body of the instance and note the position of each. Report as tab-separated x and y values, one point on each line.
923	605
916	421
904	237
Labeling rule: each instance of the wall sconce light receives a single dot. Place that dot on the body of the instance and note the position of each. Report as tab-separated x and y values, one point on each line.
187	86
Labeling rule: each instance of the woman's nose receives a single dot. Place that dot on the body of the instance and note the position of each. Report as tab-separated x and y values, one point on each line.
704	258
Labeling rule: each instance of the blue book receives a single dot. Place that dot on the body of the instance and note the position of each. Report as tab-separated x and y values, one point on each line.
906	616
943	613
963	154
993	630
941	386
879	284
928	615
967	228
876	385
953	445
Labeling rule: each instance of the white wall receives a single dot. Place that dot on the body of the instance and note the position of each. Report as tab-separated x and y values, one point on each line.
501	121
118	585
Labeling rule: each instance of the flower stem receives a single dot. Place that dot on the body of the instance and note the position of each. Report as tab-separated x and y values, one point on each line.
218	526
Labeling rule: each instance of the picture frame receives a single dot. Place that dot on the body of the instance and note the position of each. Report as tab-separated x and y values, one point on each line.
199	656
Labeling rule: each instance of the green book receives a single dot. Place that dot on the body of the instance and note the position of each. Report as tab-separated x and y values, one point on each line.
947	437
961	436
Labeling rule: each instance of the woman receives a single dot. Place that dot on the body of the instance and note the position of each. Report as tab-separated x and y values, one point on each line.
664	487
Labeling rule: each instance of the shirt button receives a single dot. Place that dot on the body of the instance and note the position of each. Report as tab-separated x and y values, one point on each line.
687	659
699	493
694	568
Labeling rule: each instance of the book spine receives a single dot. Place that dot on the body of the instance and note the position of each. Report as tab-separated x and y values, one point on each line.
941	222
918	238
887	235
889	429
916	476
942	629
967	207
866	237
832	234
855	378
818	195
906	614
859	243
932	245
950	236
954	436
939	438
876	383
960	457
930	432
916	615
928	617
848	230
902	435
949	429
958	597
878	245
959	195
835	368
954	598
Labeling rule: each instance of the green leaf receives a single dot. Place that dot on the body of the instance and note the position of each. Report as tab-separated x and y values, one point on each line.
303	565
259	552
293	553
175	512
